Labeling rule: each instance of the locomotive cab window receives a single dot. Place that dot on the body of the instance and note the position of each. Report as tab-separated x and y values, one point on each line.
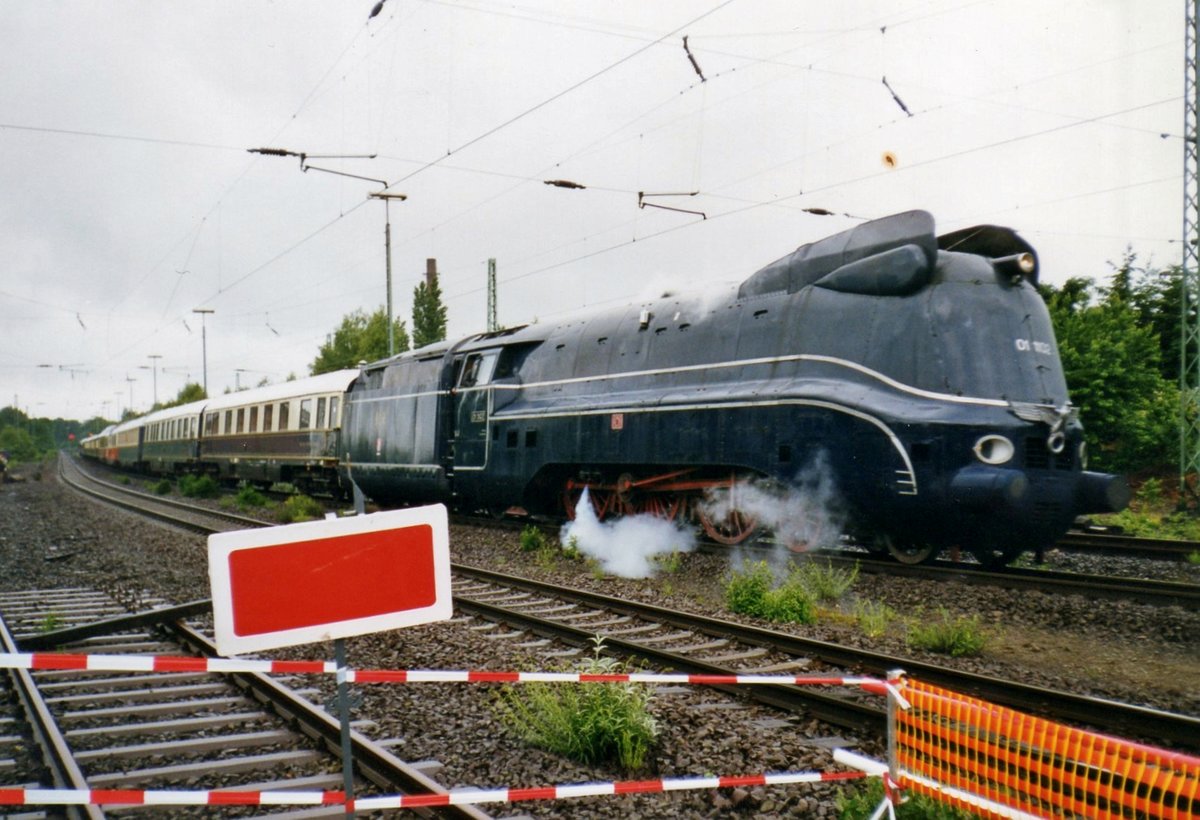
284	421
333	411
321	413
305	413
478	369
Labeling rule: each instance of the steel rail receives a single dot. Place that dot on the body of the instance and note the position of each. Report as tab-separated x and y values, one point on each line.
373	761
150	502
1132	545
838	710
55	752
1101	713
1106	715
1156	593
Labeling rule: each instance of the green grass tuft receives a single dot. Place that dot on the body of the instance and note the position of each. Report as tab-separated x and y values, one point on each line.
249	496
873	617
752	591
590	723
532	539
824	582
860	803
300	508
957	636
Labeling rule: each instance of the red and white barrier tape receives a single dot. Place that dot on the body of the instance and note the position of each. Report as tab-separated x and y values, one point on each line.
171	663
459	797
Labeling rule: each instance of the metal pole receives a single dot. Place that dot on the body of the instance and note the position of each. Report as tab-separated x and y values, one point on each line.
339	656
204	341
387	242
154	357
1189	326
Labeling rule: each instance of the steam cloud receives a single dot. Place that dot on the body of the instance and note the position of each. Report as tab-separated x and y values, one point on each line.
627	546
807	514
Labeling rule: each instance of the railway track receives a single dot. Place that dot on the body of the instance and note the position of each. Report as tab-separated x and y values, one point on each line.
1129	545
1106	587
713	644
698	644
170	730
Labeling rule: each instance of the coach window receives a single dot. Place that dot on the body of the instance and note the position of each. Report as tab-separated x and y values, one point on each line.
268	412
333	411
305	413
254	419
228	422
241	419
321	413
284	408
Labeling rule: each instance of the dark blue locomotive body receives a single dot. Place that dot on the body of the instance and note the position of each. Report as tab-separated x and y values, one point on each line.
921	372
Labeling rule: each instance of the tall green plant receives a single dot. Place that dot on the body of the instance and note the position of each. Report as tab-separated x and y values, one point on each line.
589	723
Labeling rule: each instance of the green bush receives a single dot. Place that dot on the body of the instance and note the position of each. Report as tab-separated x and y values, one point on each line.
571	551
957	636
532	539
590	723
202	486
751	591
300	508
873	617
824	582
747	589
163	487
249	496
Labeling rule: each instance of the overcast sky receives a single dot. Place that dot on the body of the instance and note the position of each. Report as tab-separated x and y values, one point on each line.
128	198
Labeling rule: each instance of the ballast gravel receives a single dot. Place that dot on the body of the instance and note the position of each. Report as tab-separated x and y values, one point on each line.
52	537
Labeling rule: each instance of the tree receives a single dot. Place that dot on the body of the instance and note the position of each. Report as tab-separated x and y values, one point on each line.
1112	360
189	393
429	314
360	338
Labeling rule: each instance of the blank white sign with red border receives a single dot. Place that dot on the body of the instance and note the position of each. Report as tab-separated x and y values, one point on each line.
334	578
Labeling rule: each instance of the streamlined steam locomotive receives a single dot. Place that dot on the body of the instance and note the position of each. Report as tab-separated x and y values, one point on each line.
920	371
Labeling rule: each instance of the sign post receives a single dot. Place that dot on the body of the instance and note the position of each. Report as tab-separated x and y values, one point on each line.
330	580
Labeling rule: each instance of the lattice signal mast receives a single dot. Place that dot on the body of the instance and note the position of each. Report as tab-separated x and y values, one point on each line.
492	324
1189	353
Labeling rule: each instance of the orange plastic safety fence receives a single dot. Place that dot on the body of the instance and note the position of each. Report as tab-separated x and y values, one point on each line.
1034	766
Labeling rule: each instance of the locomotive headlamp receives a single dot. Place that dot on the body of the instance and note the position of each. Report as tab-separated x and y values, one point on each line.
994	449
1016	266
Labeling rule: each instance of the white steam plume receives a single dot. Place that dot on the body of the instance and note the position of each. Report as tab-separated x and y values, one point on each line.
806	514
625	547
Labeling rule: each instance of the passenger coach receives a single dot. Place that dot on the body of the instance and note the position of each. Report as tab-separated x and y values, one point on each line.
279	433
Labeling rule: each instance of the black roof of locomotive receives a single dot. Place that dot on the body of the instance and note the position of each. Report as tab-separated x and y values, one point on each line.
914	230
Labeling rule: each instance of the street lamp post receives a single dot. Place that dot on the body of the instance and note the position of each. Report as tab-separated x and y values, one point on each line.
131	380
387	244
204	341
384	195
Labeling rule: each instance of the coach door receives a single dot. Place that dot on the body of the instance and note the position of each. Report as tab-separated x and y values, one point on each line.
472	399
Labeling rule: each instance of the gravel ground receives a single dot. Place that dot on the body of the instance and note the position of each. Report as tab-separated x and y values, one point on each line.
50	537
